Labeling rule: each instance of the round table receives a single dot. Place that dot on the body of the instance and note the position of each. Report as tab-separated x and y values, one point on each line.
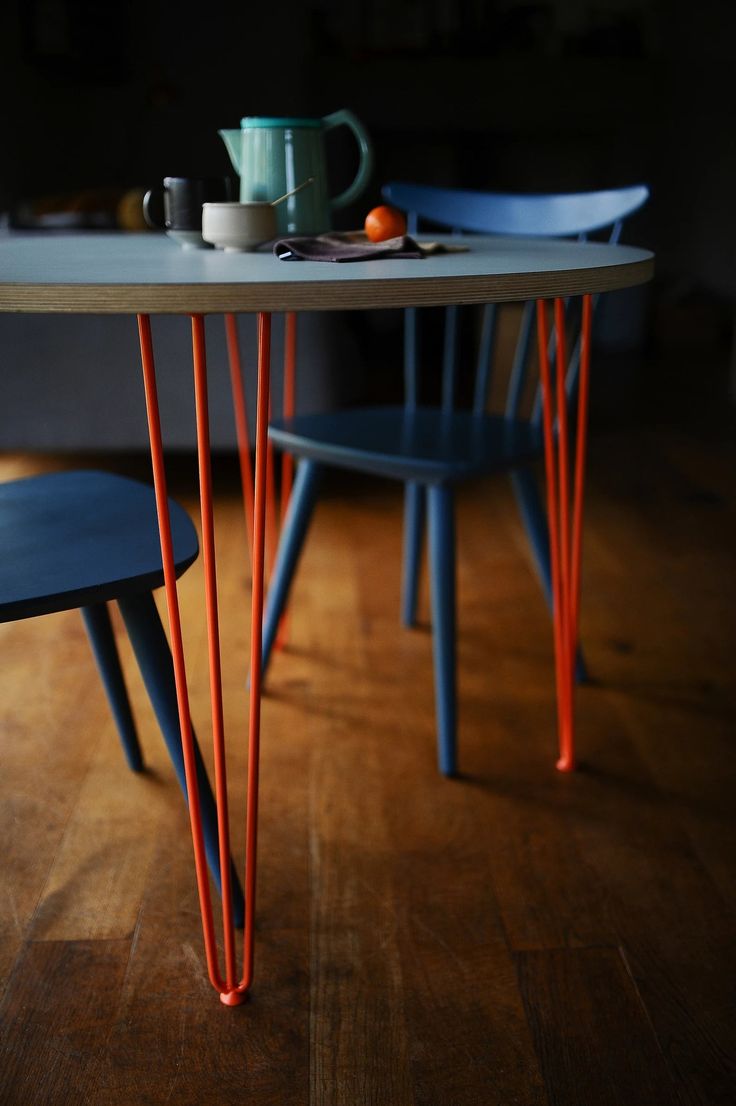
118	273
144	274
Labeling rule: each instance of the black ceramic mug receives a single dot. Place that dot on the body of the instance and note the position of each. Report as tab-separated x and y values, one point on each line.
178	205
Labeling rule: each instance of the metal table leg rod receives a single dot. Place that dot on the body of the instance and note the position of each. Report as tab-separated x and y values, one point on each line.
567	737
199	359
254	721
241	425
580	459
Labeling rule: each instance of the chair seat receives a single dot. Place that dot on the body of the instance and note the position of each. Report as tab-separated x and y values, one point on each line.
424	444
70	539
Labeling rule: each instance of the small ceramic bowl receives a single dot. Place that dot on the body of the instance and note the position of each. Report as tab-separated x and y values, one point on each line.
235	227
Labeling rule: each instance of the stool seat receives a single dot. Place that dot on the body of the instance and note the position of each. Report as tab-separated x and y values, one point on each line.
68	539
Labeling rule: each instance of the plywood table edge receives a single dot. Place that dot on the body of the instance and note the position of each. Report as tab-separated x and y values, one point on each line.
316	295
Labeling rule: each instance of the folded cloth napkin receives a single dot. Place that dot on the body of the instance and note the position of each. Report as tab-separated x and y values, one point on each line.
350	246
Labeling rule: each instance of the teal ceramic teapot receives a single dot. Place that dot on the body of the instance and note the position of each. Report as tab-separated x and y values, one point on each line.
274	155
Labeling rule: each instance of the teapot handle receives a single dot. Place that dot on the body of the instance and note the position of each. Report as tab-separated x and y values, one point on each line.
337	119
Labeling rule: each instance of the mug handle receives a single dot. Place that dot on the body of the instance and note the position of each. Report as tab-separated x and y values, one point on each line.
344	117
153	209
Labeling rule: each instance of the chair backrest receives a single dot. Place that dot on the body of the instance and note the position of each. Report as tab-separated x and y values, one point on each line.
576	214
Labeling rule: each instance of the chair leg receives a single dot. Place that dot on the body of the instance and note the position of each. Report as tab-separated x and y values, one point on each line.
415	501
154	660
102	639
296	523
442	584
535	523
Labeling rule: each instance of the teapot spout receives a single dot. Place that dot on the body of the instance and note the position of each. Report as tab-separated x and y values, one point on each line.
232	141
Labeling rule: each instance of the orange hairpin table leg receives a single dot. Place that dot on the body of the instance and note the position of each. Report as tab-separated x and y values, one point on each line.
565	518
241	425
256	626
243	436
232	993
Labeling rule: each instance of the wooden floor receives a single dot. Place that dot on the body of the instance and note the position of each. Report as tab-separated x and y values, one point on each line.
510	937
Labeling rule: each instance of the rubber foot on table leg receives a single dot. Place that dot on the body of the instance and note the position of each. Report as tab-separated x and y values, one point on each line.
233	998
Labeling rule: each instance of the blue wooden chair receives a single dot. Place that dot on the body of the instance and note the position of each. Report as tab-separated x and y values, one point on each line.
81	539
432	448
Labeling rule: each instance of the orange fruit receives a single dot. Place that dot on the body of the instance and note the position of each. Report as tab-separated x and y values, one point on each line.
384	222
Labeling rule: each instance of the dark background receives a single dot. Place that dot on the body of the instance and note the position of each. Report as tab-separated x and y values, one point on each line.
505	95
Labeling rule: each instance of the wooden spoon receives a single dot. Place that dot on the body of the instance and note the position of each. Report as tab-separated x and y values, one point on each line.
298	188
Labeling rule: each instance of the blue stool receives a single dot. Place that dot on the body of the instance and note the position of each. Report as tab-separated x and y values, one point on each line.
81	539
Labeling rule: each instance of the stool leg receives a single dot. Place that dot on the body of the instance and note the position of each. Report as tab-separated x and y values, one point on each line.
154	660
102	639
442	582
414	515
296	524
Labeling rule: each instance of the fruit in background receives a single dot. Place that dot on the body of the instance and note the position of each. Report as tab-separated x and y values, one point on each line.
129	212
384	222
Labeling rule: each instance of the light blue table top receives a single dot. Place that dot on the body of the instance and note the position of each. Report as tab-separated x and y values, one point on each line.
111	273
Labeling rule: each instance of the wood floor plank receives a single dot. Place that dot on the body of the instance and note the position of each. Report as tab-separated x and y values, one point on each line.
359	1042
697	774
674	677
173	1040
592	1033
101	867
55	1020
546	890
48	739
676	930
468	1037
360	1047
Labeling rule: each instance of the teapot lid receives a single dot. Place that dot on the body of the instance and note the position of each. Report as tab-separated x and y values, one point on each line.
278	121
